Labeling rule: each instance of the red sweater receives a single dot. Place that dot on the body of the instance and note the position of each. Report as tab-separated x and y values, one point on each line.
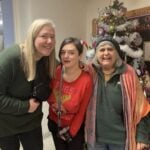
74	98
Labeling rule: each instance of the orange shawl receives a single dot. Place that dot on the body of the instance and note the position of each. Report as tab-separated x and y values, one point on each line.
135	104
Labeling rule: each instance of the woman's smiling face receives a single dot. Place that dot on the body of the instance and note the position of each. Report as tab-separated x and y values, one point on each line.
106	55
45	42
69	55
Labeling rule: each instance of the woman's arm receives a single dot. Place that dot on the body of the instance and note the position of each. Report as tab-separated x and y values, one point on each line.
8	103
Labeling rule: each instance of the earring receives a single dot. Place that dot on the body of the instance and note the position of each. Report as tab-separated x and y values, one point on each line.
81	64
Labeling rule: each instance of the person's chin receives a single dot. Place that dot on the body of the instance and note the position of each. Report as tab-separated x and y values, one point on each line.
46	54
66	65
107	65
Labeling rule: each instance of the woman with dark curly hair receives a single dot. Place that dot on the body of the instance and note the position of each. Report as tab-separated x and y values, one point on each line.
71	91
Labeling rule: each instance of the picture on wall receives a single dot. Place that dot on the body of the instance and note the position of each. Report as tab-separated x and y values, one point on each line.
146	51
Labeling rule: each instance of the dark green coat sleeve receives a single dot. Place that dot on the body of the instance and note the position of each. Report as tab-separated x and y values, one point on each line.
9	104
143	130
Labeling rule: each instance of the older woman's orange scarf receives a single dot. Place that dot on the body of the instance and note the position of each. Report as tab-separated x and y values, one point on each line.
135	106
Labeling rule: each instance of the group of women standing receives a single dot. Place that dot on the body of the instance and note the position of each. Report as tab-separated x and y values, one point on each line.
101	103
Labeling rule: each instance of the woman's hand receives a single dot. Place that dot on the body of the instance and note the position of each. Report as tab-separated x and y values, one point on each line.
33	105
141	146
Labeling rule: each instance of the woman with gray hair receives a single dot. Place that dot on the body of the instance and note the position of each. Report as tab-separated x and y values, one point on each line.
25	72
118	112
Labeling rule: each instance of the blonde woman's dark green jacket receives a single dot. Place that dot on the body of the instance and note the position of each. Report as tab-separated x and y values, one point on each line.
15	92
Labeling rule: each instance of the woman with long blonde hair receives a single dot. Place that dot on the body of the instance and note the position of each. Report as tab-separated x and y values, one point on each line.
25	72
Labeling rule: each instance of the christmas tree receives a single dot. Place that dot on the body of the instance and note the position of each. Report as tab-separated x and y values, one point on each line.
111	17
112	21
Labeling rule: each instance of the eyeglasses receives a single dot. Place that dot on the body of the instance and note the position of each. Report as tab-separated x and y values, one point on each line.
46	37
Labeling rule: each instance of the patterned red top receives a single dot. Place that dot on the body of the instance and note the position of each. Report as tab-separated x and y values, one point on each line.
74	99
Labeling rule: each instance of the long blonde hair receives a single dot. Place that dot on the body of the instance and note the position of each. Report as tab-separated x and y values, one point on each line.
28	50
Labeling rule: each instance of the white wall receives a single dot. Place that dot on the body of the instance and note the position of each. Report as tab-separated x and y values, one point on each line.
93	7
22	18
135	4
68	15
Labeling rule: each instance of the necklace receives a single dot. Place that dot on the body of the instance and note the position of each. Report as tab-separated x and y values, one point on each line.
70	77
